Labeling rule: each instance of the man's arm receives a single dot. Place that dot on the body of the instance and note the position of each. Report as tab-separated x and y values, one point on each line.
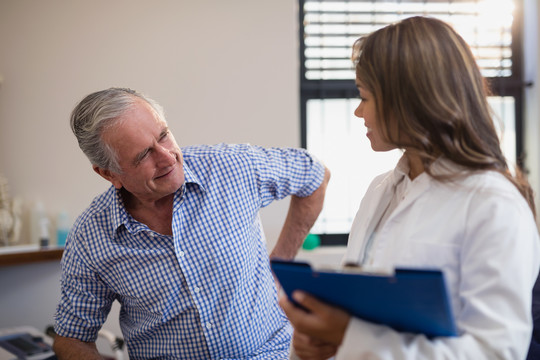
303	211
73	349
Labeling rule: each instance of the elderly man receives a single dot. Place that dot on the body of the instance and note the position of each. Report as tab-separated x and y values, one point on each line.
177	240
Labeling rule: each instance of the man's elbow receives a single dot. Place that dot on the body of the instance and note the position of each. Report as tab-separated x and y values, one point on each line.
67	348
327	176
326	179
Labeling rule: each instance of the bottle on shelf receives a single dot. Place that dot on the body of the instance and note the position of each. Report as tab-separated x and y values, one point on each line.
62	228
44	240
37	213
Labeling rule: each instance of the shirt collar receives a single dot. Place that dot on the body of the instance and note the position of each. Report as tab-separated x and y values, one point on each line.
120	215
401	170
191	178
442	166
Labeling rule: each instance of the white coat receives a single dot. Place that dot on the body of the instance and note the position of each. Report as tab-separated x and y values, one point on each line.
480	231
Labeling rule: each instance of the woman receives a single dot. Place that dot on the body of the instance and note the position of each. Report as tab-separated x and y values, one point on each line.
451	203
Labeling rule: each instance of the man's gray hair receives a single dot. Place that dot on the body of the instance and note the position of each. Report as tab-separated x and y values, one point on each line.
99	111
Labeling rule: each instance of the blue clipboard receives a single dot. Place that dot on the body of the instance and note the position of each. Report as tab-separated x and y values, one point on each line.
410	300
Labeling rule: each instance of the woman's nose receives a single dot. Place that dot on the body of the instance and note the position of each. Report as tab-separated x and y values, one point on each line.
358	112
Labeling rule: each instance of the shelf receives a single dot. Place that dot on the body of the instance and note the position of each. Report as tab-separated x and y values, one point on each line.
18	255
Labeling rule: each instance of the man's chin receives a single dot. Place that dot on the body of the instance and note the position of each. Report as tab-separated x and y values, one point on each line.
170	183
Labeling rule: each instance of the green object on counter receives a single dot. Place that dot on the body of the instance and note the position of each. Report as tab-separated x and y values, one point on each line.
311	242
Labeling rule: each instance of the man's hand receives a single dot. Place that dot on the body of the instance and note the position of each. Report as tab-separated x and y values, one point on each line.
303	211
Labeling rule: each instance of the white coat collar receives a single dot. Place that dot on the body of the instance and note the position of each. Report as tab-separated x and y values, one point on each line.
377	202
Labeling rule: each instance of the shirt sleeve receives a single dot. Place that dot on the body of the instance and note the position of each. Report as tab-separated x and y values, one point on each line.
281	172
85	300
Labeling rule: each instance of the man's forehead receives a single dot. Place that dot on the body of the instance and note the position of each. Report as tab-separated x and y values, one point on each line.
133	125
139	109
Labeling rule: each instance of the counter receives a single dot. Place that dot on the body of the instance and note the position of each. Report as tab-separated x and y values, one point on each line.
24	254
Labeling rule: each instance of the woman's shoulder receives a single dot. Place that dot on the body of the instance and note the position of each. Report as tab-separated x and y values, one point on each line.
490	181
490	190
474	181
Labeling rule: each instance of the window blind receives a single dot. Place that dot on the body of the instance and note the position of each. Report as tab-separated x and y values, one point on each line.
331	27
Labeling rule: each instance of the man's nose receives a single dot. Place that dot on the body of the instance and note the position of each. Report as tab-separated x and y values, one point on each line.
165	156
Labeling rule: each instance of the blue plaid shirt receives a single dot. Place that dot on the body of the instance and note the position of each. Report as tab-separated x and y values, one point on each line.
206	292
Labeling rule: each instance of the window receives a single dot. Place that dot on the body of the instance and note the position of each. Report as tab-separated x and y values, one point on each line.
329	96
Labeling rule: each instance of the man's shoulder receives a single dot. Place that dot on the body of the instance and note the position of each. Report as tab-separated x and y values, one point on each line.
104	200
95	224
221	149
100	207
219	156
244	152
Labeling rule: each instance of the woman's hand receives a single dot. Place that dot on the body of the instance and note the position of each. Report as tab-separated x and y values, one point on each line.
308	348
317	330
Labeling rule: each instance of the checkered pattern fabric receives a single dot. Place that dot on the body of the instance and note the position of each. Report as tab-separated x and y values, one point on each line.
206	292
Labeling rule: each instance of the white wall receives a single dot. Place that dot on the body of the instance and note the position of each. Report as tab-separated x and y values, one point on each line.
225	71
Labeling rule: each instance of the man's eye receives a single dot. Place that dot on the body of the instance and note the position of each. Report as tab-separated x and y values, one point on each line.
141	157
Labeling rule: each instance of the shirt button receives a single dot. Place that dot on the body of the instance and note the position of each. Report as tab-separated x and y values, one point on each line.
208	325
181	253
197	289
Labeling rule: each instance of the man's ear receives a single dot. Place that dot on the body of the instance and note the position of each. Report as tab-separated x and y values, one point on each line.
108	175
